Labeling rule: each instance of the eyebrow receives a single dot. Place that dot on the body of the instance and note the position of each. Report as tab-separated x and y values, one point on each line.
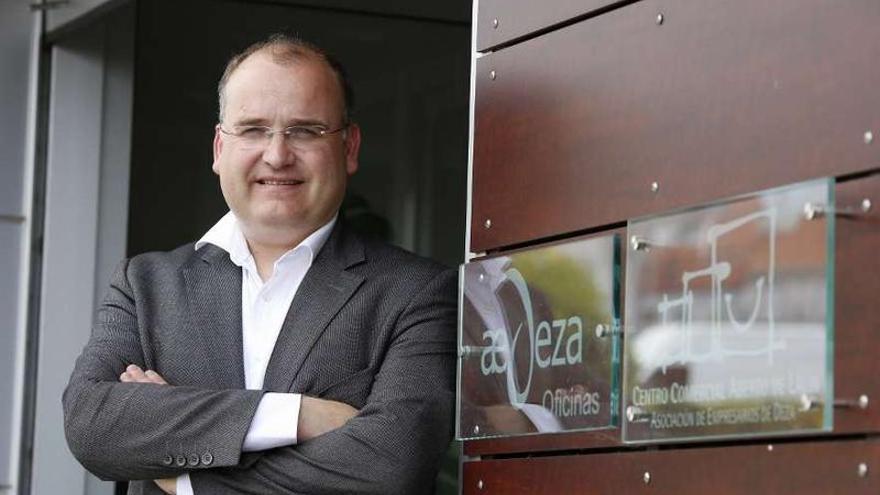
251	121
256	121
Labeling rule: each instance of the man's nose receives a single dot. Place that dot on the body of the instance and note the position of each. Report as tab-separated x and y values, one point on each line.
278	153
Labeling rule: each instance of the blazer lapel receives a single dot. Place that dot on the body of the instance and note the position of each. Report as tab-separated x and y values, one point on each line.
324	290
213	289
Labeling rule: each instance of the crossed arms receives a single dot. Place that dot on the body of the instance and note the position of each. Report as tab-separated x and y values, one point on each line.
316	416
127	430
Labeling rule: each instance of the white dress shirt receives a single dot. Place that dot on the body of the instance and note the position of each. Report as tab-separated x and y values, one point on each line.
264	306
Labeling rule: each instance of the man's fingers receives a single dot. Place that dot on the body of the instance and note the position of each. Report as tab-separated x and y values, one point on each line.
134	374
155	377
168	485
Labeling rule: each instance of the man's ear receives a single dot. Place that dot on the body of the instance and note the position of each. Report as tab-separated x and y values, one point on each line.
218	149
352	148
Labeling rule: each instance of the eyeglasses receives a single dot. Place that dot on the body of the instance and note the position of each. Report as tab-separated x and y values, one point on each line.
298	136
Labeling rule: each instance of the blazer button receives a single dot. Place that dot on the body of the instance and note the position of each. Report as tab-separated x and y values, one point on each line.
168	460
194	459
180	461
207	458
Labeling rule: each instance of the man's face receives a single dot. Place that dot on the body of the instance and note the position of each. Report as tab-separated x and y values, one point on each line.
281	191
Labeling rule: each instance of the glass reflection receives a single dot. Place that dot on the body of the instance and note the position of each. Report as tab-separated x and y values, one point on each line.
728	318
531	361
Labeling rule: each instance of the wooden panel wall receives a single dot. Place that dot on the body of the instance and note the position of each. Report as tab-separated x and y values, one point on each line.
707	99
500	21
720	99
856	339
820	468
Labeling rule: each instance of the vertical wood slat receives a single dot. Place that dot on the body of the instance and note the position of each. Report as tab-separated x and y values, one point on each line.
856	312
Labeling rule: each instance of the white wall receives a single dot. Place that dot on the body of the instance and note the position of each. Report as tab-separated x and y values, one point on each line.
85	223
17	102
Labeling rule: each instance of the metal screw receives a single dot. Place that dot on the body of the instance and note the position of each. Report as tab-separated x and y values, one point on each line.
639	243
493	75
861	402
807	403
482	277
655	186
495	23
866	205
770	448
646	477
869	137
863	470
480	485
660	19
814	211
601	331
488	224
477	430
637	415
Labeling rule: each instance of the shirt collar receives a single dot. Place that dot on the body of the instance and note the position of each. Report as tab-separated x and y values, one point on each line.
226	234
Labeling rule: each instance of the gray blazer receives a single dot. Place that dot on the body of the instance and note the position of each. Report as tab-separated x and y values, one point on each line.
371	325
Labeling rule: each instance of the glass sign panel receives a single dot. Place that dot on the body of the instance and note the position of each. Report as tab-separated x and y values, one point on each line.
729	318
538	340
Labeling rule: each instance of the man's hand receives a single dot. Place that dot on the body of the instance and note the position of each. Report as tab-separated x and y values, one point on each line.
134	374
167	485
318	416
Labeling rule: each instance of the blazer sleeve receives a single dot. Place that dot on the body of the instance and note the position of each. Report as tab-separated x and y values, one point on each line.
395	442
124	431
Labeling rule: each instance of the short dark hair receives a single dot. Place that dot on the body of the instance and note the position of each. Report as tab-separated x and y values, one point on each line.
286	49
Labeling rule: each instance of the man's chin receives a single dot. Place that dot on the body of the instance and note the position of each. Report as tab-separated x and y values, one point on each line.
278	226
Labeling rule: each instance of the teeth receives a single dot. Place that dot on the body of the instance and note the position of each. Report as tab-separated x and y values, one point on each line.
278	182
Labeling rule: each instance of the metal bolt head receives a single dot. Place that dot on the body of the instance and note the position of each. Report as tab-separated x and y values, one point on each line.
480	485
863	470
639	243
660	19
869	137
494	23
476	429
630	413
814	211
806	403
493	75
809	211
601	331
655	186
482	277
770	447
488	224
866	205
646	477
863	401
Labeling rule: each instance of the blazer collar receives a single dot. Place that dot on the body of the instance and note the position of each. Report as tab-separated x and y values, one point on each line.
327	286
213	287
213	294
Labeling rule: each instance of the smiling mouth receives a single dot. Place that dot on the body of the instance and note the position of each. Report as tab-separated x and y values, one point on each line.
271	182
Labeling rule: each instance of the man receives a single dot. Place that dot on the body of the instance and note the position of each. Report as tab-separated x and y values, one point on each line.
282	353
